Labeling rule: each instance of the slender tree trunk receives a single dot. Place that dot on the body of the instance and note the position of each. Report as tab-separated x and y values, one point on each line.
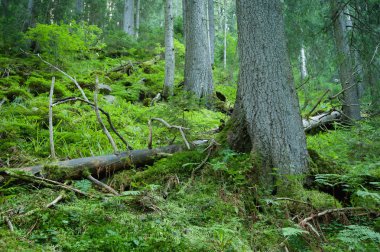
184	20
169	49
351	103
137	18
304	75
29	18
129	21
198	72
225	35
267	108
79	9
211	25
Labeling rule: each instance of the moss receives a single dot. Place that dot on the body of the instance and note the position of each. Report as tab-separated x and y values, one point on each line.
319	165
38	86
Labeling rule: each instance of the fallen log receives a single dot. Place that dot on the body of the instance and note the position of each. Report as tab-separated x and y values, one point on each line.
100	166
319	120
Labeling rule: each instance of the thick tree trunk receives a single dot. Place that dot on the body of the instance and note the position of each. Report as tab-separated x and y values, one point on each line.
211	28
267	107
129	20
198	72
137	18
351	103
103	165
184	20
169	50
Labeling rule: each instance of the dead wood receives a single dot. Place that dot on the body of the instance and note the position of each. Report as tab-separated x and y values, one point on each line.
51	130
322	119
101	165
102	185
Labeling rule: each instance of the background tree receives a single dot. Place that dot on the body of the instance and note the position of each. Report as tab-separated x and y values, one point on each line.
198	72
169	49
129	21
351	103
266	117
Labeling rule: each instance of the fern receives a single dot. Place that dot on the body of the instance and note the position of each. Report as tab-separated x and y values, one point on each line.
291	231
359	238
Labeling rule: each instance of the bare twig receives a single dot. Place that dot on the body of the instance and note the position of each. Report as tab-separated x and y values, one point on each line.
112	142
51	132
45	182
180	128
155	99
101	184
2	102
9	223
58	102
105	130
319	101
374	53
56	200
61	71
150	137
342	91
304	222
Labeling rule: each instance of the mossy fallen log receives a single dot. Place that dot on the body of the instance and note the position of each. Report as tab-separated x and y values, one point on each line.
101	166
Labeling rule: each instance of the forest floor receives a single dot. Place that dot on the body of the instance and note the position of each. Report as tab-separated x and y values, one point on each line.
170	206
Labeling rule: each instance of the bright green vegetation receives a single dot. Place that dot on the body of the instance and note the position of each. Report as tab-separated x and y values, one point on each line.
164	207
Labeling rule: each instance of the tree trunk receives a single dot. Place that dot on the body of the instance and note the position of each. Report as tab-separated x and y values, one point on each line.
351	103
103	165
169	50
267	108
304	75
211	25
137	18
198	72
129	26
184	20
29	18
79	9
225	35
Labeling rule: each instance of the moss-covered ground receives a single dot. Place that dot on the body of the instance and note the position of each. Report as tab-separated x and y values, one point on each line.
167	206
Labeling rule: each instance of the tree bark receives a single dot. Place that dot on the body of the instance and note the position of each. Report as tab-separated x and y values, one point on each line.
169	50
198	72
267	108
211	25
29	18
137	18
351	103
103	165
225	35
129	20
79	9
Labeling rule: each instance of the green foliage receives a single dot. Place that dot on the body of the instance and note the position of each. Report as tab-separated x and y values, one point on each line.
58	40
359	238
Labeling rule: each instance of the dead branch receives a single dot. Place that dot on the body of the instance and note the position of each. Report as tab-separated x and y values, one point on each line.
9	223
155	99
51	132
69	99
342	91
320	120
2	102
319	101
304	222
102	165
180	128
45	182
56	200
106	132
61	71
101	184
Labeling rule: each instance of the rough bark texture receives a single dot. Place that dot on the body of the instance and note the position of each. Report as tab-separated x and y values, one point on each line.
169	49
351	104
198	72
103	165
211	28
129	20
267	107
